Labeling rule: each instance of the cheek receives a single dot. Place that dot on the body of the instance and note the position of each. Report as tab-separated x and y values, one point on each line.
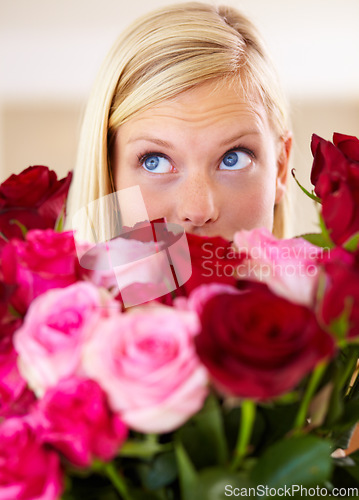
159	201
252	206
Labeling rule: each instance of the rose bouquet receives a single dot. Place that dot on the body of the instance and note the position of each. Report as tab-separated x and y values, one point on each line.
241	381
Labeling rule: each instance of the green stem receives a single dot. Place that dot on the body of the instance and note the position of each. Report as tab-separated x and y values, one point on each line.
312	196
312	386
116	479
20	226
152	438
248	412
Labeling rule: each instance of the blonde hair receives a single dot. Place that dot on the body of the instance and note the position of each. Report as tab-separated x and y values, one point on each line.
160	55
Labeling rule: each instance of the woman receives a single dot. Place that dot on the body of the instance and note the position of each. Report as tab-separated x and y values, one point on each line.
187	107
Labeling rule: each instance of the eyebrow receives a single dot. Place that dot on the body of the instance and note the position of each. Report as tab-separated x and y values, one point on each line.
161	142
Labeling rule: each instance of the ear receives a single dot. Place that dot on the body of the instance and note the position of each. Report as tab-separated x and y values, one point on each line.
282	165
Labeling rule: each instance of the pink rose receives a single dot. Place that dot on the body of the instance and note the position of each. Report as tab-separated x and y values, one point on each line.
77	421
54	330
146	362
28	470
46	260
289	267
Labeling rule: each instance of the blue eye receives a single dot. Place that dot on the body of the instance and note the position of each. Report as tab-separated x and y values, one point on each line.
235	160
157	164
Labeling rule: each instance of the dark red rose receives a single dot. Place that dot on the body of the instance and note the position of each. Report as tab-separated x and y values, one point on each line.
335	175
258	345
35	198
341	292
45	260
213	260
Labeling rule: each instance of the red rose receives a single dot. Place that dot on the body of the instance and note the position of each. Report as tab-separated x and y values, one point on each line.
45	260
259	345
341	289
335	175
213	260
34	198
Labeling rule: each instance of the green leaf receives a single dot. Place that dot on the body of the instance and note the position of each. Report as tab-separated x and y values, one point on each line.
211	422
344	366
340	325
325	231
162	471
59	224
93	487
352	243
216	483
305	191
143	449
336	405
111	471
21	226
317	239
141	495
13	311
203	436
187	472
303	460
278	420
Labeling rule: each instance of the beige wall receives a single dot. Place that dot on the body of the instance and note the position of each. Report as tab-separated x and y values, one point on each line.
46	133
50	53
39	133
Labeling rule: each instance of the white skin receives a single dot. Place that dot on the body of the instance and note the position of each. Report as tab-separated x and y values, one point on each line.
207	159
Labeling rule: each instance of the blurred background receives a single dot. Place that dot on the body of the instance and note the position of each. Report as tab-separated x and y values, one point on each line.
50	51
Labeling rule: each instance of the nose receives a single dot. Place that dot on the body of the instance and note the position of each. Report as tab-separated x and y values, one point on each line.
196	202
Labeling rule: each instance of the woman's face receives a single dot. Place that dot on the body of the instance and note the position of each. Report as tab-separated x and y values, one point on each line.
207	159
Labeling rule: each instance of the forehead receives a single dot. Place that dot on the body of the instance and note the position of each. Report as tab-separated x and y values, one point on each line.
205	105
